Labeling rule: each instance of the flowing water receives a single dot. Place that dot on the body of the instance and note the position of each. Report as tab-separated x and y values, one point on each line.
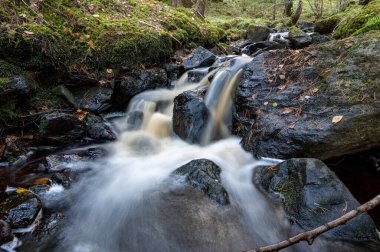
132	202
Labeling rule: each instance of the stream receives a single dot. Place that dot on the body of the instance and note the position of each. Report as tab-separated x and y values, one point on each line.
132	200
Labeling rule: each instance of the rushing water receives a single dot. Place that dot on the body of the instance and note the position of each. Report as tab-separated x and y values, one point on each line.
131	202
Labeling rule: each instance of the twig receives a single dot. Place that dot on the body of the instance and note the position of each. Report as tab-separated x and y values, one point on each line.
310	235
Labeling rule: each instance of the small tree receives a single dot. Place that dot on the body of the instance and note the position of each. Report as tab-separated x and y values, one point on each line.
288	7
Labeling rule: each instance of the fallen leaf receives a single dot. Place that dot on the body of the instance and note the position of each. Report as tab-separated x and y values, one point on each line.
280	66
286	111
109	70
21	190
282	87
95	15
41	181
91	44
282	77
274	104
53	14
291	126
315	90
28	32
77	35
44	107
81	114
265	103
337	119
70	12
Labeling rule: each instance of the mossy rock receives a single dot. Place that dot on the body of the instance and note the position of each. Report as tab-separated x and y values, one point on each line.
327	25
365	20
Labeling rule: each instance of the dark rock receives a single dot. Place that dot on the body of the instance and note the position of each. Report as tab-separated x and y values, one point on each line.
312	195
327	25
204	175
263	46
190	115
40	190
61	178
172	70
5	232
135	82
306	26
299	39
292	116
256	33
317	38
16	86
20	210
98	129
200	57
94	99
60	128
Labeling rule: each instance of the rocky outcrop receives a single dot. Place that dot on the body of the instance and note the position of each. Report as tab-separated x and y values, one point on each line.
318	102
312	195
190	115
204	175
132	83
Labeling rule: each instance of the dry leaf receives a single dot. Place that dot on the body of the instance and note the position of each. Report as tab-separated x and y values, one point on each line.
81	114
29	32
109	70
291	126
70	12
21	190
280	66
44	107
265	103
282	77
286	111
315	90
336	119
41	181
91	44
282	87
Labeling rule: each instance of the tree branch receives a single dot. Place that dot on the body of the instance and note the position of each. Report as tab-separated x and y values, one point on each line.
310	235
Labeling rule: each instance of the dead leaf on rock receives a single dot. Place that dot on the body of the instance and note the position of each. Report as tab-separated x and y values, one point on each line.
287	110
41	181
282	77
21	190
315	90
282	87
337	119
81	114
265	103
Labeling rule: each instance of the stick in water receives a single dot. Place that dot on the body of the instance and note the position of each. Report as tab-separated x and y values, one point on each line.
310	235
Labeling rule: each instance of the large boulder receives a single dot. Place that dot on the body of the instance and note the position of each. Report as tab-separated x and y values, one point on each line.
134	82
319	102
60	128
256	33
299	39
98	129
190	115
200	57
312	195
204	175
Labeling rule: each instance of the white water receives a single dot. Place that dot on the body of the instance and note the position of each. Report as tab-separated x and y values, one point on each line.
133	203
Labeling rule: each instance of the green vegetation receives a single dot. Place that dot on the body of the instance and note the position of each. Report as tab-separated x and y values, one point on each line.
364	20
95	35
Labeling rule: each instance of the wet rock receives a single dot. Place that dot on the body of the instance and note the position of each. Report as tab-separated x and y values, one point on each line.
134	82
97	129
58	163
312	195
299	39
262	46
256	33
16	86
5	232
306	26
60	128
196	75
190	115
172	70
200	57
287	111
61	178
20	210
317	38
204	175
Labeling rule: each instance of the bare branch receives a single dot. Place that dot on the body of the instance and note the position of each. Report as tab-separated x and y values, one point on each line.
310	235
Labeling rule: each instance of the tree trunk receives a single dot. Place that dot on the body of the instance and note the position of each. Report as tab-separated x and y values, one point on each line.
297	13
288	7
200	7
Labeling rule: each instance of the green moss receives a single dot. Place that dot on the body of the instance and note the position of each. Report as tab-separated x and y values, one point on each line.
372	24
289	189
364	20
328	24
295	30
8	110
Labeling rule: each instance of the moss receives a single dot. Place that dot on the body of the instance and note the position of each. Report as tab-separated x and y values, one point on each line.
8	109
289	189
295	30
372	24
97	34
328	24
364	20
